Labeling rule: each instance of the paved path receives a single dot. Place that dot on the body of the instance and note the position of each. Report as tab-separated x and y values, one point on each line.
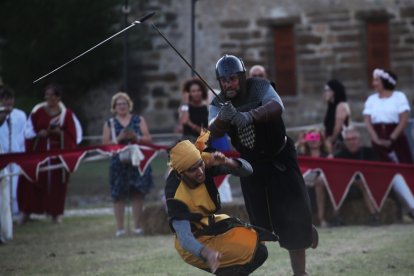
88	212
78	213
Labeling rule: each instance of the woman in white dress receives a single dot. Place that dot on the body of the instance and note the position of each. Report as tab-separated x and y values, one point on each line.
386	116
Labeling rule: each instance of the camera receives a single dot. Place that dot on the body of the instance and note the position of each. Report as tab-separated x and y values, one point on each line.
53	126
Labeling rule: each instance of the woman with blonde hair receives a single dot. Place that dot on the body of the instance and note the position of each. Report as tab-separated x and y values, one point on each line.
313	143
125	179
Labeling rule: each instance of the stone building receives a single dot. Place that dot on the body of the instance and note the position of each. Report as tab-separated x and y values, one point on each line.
302	43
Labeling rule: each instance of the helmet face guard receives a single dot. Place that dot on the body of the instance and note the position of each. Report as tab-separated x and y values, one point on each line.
228	66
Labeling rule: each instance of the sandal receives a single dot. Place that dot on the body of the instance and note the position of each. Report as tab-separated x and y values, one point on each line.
119	233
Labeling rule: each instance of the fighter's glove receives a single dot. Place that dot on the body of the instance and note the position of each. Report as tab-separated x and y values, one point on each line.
242	119
227	112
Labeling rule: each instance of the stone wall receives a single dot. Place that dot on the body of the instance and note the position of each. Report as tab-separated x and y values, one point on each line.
330	43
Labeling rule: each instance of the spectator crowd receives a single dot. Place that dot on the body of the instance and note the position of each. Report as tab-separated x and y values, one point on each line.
51	125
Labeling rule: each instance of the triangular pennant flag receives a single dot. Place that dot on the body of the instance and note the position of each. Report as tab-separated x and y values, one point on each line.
218	180
149	155
341	176
304	170
379	181
71	160
377	176
30	166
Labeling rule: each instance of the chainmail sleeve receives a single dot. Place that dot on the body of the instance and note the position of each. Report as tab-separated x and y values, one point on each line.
245	169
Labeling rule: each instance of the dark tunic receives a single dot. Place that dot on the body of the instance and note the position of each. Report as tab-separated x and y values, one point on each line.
364	153
275	194
198	116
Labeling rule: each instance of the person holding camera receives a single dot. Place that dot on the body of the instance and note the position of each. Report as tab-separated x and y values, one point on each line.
51	126
125	179
193	113
313	143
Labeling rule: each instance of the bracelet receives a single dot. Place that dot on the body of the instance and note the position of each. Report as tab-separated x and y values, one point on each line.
184	107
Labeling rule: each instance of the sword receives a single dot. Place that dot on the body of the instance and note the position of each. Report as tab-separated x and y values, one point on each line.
188	64
139	21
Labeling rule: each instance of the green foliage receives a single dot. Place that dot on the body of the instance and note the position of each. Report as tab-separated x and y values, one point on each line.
37	36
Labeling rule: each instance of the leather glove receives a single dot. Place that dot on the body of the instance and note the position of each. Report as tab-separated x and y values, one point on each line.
242	119
227	112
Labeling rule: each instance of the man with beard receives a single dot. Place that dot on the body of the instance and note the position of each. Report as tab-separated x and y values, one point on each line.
275	194
205	239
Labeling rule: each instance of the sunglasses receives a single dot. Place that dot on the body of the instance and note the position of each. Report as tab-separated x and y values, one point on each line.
312	137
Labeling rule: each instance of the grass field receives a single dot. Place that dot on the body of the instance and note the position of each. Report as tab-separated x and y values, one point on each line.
85	246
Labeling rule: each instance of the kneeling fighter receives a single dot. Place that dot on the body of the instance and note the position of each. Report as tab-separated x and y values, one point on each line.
216	243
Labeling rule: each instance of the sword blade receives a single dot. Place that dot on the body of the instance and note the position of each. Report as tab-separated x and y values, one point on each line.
139	21
186	62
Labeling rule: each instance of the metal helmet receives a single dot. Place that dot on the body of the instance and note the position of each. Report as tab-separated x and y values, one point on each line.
229	65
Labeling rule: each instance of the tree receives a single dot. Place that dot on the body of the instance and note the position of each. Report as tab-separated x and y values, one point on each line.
37	36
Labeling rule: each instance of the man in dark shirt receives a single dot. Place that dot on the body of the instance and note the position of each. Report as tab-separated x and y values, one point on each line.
353	148
400	190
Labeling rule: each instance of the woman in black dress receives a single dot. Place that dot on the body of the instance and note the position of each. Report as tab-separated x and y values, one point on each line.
193	113
338	113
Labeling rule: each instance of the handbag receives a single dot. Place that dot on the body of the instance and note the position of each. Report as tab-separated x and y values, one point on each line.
125	155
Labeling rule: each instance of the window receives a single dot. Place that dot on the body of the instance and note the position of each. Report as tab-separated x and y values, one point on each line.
378	47
285	66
